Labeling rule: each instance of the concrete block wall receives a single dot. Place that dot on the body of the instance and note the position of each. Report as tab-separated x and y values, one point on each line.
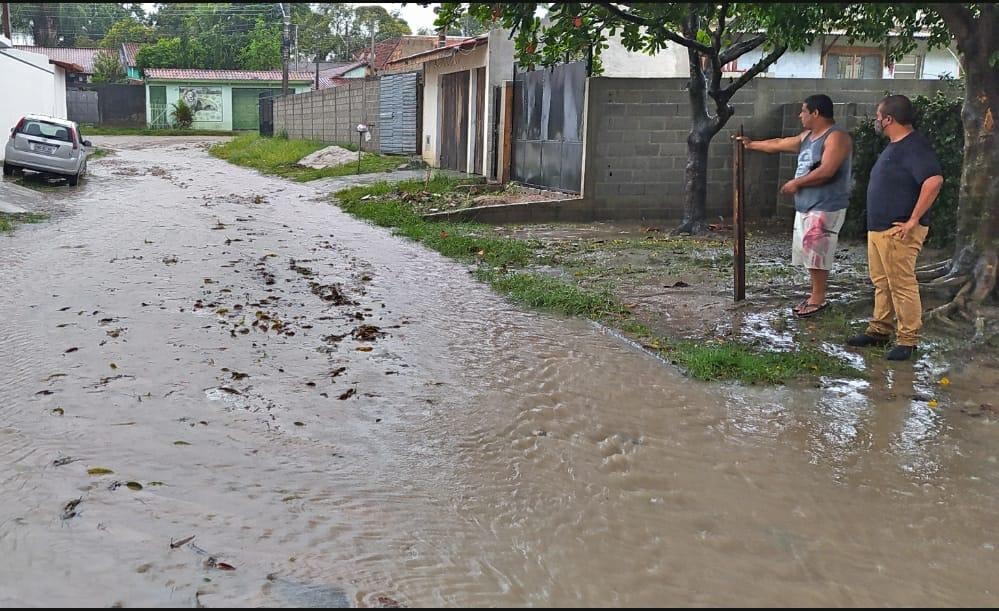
636	141
331	115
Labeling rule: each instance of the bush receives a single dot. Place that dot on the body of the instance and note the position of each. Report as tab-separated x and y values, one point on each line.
182	115
939	119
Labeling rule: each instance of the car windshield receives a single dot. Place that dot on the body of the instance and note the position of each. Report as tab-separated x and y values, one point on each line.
33	127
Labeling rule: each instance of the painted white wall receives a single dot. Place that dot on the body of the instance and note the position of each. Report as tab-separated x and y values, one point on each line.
808	63
499	68
30	85
432	107
619	62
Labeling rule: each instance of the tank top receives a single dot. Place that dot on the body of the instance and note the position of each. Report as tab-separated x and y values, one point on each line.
832	195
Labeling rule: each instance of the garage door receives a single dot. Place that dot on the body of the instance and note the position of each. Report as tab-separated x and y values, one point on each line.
245	114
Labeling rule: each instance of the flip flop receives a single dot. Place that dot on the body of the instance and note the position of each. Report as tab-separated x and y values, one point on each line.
800	305
816	308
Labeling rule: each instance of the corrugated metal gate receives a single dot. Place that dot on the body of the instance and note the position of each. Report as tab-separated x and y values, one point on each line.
548	127
266	110
398	109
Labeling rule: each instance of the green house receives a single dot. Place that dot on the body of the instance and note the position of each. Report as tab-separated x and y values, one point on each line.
220	99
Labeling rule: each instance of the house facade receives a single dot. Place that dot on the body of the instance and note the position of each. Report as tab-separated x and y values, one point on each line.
223	100
459	108
32	83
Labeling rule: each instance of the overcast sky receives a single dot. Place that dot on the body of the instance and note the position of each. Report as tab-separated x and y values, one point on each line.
415	15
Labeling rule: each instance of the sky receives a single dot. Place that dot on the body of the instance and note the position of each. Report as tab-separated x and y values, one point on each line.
417	16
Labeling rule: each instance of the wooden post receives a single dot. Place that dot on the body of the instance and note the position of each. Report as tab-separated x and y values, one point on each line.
739	219
6	21
507	157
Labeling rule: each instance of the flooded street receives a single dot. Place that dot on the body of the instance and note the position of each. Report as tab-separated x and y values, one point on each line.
340	417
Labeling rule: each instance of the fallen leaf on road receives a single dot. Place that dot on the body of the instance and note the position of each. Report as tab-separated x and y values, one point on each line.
99	471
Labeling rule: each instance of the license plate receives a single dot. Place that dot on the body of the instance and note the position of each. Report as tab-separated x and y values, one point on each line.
43	148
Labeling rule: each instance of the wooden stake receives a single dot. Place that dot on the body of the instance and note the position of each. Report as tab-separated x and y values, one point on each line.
739	219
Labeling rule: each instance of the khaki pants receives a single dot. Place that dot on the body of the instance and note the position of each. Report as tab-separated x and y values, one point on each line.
896	292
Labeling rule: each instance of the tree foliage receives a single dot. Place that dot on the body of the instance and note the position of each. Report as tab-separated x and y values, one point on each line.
108	68
263	48
127	30
62	24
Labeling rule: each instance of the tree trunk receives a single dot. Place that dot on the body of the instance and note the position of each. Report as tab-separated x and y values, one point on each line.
976	254
696	182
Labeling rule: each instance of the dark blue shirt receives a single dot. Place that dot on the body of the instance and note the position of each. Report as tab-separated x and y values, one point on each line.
896	179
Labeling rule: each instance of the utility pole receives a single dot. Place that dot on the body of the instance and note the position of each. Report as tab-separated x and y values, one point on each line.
6	21
285	39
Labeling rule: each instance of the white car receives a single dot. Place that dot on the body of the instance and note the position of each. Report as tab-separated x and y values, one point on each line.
46	144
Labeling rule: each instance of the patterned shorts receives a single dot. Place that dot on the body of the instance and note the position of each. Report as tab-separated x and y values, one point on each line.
815	237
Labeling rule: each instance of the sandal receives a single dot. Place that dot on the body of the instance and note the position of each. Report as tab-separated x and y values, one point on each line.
799	306
811	309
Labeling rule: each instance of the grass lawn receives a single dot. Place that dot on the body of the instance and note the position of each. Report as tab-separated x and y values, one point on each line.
280	156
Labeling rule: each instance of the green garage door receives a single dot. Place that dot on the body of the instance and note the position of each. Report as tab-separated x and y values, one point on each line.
245	112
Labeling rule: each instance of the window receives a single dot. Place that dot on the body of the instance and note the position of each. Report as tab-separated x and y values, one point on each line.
854	62
909	67
45	130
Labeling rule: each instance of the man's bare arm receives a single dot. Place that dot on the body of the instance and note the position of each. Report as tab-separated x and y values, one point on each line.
773	145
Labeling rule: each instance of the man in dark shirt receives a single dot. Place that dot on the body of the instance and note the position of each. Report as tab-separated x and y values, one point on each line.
904	183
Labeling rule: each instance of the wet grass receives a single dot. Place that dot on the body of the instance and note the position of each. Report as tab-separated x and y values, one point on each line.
98	152
93	130
280	156
511	267
9	221
462	241
711	361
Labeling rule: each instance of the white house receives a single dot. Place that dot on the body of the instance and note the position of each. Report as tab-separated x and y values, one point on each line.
31	83
829	56
459	83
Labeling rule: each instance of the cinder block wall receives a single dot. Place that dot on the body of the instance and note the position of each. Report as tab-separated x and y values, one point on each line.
331	115
636	141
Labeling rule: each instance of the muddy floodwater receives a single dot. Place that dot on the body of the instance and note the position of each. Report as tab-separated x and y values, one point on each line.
339	417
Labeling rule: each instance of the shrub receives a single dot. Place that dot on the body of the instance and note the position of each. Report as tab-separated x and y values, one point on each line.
182	115
939	119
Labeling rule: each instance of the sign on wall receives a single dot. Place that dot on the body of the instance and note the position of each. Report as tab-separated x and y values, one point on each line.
205	102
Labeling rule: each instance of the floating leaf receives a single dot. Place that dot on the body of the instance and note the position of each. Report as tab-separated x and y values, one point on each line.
58	411
156	484
99	471
299	423
181	443
364	348
933	403
113	366
73	349
944	381
134	486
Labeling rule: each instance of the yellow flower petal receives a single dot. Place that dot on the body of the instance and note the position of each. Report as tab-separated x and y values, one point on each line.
944	381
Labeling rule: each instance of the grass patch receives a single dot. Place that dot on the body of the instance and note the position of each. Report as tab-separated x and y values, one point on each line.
733	361
280	156
9	221
94	130
462	241
98	152
553	294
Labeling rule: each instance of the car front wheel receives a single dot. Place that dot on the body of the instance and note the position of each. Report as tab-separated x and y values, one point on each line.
8	170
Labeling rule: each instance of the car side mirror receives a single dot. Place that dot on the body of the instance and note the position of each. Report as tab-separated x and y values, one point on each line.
88	143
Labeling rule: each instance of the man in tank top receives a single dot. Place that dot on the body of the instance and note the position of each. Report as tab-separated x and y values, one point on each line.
821	190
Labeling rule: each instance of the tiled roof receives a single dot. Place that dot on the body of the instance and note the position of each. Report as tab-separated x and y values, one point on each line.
450	48
186	74
81	57
329	82
128	51
385	51
341	70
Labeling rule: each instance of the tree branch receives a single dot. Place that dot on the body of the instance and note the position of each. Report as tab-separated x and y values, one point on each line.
741	48
747	76
721	26
680	40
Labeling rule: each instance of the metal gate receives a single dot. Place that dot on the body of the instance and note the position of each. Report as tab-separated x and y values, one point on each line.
398	108
266	110
548	127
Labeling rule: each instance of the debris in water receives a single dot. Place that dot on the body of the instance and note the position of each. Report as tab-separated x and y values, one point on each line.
180	542
350	392
69	509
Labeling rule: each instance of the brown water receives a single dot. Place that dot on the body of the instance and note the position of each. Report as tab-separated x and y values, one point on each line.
489	456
